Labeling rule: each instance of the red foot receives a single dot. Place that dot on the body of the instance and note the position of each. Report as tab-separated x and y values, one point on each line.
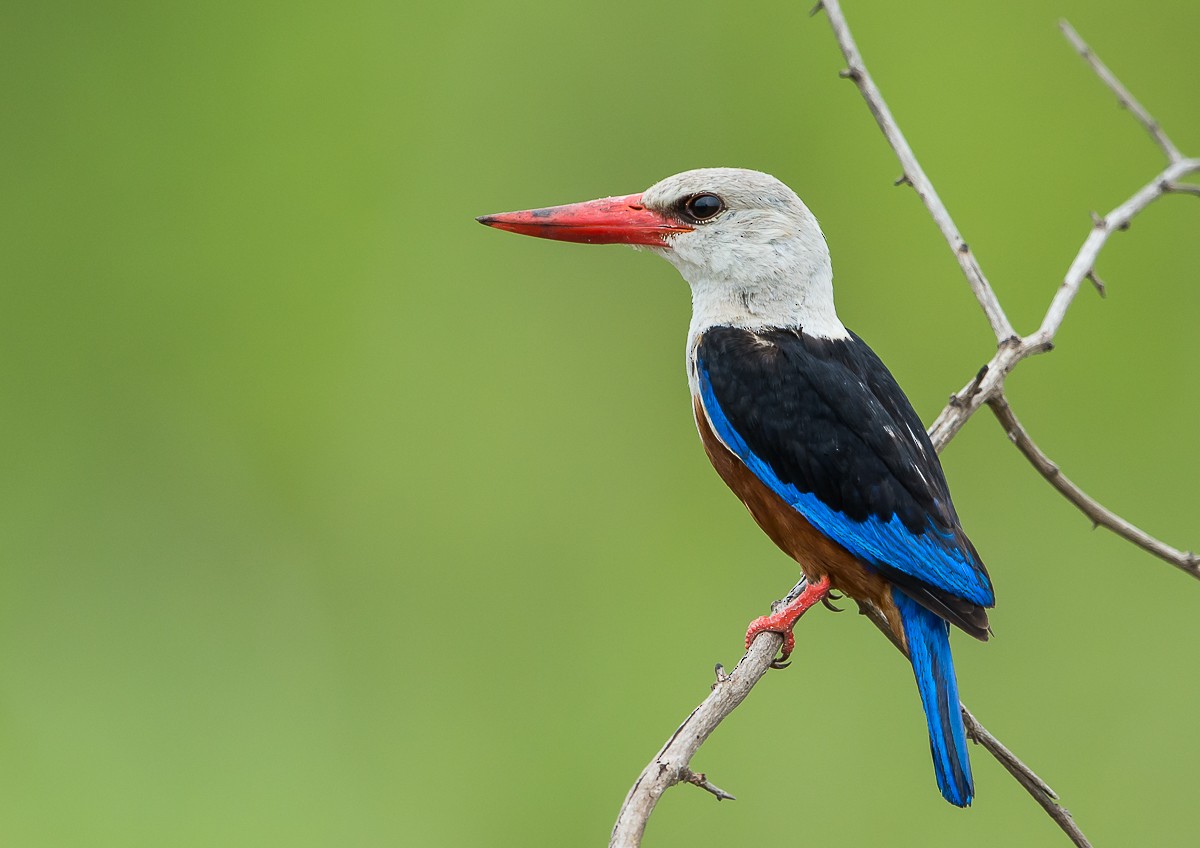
784	620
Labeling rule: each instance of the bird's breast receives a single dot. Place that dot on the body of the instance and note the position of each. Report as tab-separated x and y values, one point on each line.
818	555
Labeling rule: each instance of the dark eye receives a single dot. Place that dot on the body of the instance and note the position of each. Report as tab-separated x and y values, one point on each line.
701	207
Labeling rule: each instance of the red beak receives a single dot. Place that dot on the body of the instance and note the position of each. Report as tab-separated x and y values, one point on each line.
611	220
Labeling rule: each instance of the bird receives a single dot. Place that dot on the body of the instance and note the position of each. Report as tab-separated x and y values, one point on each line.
804	422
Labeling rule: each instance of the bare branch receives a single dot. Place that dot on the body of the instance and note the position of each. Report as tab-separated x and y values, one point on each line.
1126	99
1012	349
1185	561
1033	784
990	379
1102	228
672	764
914	175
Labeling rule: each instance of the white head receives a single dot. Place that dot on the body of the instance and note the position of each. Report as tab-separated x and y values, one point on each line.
756	256
752	252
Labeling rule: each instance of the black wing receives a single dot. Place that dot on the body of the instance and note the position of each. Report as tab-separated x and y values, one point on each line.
824	424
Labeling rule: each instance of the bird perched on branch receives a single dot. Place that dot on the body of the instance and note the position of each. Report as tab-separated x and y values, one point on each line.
804	422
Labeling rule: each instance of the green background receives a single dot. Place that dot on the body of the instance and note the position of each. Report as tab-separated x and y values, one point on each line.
331	518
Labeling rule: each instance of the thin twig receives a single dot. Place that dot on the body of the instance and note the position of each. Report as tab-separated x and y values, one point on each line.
704	783
1183	188
1033	784
1126	99
1116	220
914	174
1185	561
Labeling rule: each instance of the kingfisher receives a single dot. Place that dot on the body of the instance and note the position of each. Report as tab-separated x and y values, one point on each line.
804	423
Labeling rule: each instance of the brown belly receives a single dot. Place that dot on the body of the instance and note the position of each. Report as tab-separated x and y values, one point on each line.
818	555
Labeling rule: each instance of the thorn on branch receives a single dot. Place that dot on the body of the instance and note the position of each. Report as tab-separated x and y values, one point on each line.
972	389
1098	283
850	74
689	776
812	13
1098	222
902	180
721	675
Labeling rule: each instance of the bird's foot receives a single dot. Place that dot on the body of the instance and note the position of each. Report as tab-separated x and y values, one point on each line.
785	619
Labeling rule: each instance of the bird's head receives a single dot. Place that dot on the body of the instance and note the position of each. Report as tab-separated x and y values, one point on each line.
751	250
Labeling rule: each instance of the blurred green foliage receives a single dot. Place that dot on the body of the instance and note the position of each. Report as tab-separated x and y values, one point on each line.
332	518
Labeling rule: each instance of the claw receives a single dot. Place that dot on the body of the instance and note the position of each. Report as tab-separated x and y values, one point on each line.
829	605
782	621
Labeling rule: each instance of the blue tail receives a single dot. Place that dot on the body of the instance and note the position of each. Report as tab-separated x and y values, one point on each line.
928	638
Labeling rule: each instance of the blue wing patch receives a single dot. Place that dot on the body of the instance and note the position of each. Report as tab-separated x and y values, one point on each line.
933	556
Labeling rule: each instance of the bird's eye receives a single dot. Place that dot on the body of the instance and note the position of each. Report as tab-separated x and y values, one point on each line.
701	207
